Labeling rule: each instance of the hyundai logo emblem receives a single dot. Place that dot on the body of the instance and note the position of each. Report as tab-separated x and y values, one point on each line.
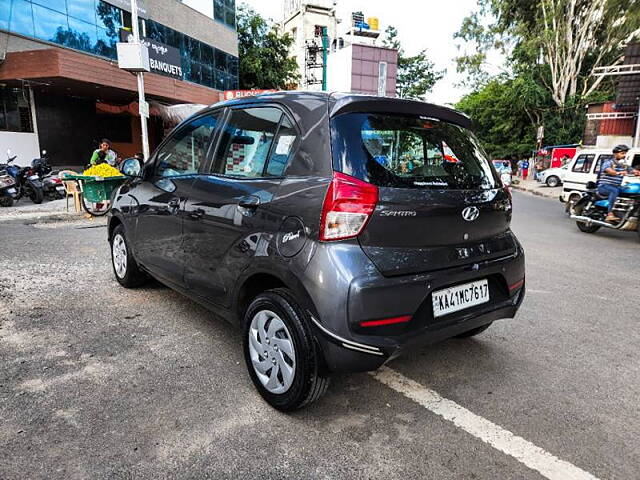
470	213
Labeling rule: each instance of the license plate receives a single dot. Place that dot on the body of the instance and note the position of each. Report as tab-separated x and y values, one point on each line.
460	297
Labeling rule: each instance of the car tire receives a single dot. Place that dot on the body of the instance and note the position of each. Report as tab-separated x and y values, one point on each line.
553	181
571	201
6	201
474	331
289	373
125	267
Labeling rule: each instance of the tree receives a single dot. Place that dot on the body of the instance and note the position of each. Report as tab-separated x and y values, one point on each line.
416	74
570	37
264	53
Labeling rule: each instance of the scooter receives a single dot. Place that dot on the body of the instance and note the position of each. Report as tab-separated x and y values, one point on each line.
27	183
590	211
8	190
51	184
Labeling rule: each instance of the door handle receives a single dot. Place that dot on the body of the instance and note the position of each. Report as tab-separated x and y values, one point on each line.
250	201
196	214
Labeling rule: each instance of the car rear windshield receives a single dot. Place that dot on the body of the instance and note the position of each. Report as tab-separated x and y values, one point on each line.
409	152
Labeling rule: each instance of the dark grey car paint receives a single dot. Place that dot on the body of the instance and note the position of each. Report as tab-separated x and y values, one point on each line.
380	274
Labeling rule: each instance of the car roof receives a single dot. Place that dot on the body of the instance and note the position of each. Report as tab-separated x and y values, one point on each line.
339	102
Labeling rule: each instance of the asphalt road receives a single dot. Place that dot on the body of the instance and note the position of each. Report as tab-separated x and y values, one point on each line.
101	382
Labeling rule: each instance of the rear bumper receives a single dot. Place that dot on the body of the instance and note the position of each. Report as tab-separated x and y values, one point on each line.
354	348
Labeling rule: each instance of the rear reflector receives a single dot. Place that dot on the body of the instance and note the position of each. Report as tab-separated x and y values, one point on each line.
347	207
386	321
516	285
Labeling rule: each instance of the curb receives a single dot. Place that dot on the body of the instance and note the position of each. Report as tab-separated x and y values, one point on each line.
44	217
533	192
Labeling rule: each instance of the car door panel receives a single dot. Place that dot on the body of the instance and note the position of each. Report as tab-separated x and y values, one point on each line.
162	197
228	214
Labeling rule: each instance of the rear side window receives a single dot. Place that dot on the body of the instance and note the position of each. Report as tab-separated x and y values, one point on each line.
583	163
183	153
601	160
256	142
409	152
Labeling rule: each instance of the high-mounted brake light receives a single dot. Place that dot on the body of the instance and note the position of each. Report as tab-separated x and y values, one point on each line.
347	207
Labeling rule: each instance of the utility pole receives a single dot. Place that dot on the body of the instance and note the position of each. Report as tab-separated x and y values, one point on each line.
325	55
144	109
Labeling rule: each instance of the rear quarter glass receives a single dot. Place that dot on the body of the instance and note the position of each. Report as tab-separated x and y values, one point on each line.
401	151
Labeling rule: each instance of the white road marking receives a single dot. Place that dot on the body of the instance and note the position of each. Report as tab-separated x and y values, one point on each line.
531	290
522	450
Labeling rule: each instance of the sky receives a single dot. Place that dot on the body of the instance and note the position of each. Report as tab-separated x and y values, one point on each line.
421	24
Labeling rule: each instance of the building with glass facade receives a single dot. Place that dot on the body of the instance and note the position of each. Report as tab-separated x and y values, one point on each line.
58	62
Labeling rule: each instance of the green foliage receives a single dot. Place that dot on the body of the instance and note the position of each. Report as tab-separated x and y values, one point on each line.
507	111
416	74
550	61
264	53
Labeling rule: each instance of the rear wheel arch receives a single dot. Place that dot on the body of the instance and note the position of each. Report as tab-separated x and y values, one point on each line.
258	282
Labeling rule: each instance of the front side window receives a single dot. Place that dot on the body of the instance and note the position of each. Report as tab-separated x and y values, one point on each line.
583	163
409	152
247	141
186	150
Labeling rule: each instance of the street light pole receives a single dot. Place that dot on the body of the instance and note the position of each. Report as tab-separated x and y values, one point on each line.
140	76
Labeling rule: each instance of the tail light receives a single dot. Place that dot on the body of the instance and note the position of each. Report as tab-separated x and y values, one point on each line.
347	207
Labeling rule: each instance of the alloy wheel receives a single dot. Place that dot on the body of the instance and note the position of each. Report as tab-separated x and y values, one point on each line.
272	352
119	251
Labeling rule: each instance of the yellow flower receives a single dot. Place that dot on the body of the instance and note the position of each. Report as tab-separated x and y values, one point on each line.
102	170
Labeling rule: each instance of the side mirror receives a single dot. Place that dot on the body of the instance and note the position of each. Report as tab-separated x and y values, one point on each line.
132	167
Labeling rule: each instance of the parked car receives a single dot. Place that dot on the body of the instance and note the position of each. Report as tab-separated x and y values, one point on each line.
584	168
553	176
337	231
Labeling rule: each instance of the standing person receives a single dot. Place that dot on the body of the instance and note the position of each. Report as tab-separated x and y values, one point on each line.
525	169
519	165
612	173
107	155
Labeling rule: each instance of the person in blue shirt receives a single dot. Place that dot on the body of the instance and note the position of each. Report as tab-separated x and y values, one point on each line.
612	173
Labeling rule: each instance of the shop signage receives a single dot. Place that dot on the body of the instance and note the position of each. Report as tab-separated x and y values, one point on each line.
163	59
231	94
126	5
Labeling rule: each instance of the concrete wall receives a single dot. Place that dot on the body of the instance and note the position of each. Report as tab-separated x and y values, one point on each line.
364	73
185	19
24	145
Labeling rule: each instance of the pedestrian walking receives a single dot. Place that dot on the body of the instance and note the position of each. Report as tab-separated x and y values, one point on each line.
525	169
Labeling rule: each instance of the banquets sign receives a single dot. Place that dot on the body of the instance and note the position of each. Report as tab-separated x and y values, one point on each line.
163	59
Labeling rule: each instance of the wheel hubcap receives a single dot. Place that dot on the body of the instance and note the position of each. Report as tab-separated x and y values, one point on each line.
272	352
119	254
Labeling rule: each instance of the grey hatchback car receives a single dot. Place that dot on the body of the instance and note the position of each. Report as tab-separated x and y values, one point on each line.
336	230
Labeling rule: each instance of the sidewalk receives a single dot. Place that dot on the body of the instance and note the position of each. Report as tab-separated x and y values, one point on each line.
537	188
25	211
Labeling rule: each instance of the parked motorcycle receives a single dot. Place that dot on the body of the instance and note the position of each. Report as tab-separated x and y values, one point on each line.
51	185
8	190
27	183
590	211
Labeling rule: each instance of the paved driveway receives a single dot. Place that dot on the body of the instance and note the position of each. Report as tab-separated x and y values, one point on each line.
101	382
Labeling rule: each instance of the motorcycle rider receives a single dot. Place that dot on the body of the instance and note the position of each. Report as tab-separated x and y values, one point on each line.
612	173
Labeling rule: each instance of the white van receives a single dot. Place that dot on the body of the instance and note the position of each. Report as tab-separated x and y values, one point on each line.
584	168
